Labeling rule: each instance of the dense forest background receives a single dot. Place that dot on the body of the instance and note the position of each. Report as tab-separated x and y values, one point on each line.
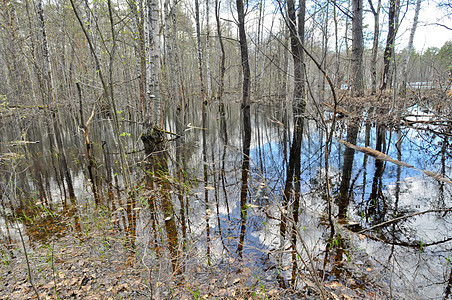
44	44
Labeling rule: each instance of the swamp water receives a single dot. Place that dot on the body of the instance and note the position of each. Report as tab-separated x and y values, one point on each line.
210	218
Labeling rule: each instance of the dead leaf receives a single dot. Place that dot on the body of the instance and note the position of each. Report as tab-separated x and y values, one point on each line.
49	285
336	284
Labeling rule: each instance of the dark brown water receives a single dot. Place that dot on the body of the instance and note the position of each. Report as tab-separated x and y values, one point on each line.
216	196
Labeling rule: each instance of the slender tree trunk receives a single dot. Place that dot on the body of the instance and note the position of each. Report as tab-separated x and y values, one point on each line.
347	168
259	48
170	68
209	88
292	186
373	63
357	48
390	44
152	136
137	10
223	56
246	143
296	32
153	66
243	54
178	67
337	75
198	40
409	47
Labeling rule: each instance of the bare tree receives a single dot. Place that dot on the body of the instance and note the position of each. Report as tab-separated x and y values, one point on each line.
357	48
373	63
199	50
222	59
394	6
296	31
208	52
243	54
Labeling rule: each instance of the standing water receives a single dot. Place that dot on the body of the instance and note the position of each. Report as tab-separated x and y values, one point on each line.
221	217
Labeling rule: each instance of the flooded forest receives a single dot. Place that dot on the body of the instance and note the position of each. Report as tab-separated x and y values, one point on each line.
224	150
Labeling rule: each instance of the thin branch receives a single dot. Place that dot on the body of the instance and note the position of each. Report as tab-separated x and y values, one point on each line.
439	24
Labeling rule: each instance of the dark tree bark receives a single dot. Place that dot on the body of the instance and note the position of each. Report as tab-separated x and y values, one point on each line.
373	63
246	144
357	48
347	167
223	57
199	49
390	43
296	32
244	54
292	186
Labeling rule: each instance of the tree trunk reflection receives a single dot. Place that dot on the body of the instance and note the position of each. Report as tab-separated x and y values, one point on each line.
246	143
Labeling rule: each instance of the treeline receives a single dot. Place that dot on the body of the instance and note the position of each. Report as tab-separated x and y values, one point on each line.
120	35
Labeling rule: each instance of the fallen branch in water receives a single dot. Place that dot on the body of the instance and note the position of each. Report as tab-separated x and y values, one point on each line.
406	217
381	156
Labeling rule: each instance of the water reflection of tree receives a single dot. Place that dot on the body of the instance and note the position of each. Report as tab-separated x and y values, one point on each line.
160	201
292	194
376	205
345	191
246	142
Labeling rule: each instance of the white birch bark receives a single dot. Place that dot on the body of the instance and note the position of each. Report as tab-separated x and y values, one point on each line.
208	51
153	106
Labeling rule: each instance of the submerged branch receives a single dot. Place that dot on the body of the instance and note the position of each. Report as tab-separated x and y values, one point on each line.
405	217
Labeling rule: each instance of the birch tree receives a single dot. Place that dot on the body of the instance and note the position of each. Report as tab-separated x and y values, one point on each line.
208	51
153	109
152	136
